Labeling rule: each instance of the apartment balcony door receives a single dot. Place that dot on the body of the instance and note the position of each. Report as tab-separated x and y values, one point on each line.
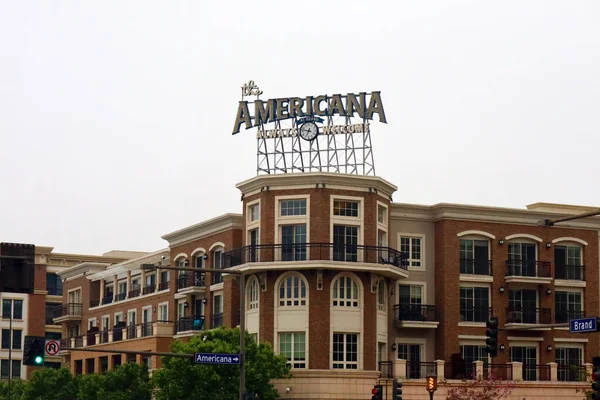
147	321
522	258
345	243
412	354
527	356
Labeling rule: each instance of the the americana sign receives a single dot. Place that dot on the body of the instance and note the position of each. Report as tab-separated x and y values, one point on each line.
362	105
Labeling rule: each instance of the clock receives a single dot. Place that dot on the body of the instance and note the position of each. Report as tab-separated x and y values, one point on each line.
309	131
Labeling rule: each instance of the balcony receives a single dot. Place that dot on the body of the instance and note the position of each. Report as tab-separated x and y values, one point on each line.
310	252
470	266
163	286
107	299
191	283
67	312
525	271
563	316
121	296
569	272
135	293
519	316
187	324
149	289
476	315
415	316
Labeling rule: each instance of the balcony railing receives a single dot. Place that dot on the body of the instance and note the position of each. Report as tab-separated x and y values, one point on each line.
135	292
163	285
475	314
414	312
571	373
475	267
108	299
68	310
191	279
216	320
386	369
498	371
190	324
418	369
570	272
528	268
562	316
532	372
120	296
149	289
315	252
528	315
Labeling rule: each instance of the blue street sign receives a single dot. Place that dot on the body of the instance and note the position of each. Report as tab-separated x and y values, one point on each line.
583	325
216	358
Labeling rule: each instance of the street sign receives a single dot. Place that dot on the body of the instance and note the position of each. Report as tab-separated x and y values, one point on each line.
583	325
52	348
217	358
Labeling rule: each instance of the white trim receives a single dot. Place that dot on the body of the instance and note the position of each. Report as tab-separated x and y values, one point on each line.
475	232
180	255
404	282
569	340
198	250
217	244
523	235
472	324
525	339
292	219
570	239
348	221
420	341
115	317
472	337
421	236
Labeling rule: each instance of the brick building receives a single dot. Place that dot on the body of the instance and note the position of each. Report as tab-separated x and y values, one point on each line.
352	287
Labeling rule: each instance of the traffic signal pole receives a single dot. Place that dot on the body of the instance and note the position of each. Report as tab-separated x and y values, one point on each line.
10	344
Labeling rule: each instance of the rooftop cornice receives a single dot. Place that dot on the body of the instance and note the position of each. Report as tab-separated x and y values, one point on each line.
130	265
206	228
82	269
313	178
441	211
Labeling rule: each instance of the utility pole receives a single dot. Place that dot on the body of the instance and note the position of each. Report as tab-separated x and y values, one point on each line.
242	312
551	222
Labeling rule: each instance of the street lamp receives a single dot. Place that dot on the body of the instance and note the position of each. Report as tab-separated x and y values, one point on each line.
242	312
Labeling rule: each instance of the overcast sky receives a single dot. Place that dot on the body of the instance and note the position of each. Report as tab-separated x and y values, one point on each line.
116	116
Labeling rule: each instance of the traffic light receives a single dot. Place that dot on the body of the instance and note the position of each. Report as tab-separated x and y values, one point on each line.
377	392
431	384
596	385
34	350
397	390
492	336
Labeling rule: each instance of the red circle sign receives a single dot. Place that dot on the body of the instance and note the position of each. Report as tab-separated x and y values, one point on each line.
52	348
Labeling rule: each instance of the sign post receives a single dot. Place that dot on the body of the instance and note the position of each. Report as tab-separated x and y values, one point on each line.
583	325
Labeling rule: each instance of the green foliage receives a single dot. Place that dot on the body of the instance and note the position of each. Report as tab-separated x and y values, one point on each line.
16	389
180	379
50	384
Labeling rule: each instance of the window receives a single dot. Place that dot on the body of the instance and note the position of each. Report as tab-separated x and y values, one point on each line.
568	305
381	295
568	262
17	336
474	257
293	242
527	356
253	294
180	309
566	358
474	304
5	369
122	287
345	208
293	346
163	312
164	276
412	354
254	242
217	277
292	291
472	353
345	351
381	215
50	309
522	259
54	284
17	308
522	306
53	335
345	243
345	292
292	207
410	294
254	212
217	315
411	246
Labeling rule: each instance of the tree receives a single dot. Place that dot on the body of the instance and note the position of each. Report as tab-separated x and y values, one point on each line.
126	382
181	379
481	388
16	389
50	384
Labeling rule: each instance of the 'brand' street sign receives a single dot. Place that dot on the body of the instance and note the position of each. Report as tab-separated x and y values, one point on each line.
217	358
583	325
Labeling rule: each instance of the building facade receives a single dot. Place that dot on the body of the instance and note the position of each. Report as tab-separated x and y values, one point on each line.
354	288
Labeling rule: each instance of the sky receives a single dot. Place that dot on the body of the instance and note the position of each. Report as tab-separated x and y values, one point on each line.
116	116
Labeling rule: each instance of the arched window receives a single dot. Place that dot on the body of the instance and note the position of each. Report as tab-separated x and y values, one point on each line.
381	295
252	293
345	292
292	291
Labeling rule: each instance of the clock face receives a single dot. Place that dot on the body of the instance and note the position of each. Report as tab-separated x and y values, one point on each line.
309	131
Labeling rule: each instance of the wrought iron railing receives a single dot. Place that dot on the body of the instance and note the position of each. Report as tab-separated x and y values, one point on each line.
528	268
190	324
414	312
386	369
163	285
191	279
120	296
562	316
107	299
475	314
532	372
528	315
473	266
418	369
149	289
498	371
570	272
68	310
571	373
315	252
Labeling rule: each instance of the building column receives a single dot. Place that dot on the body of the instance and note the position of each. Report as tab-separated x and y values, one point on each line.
115	287
128	284
440	369
400	368
101	290
589	370
517	370
478	368
553	371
